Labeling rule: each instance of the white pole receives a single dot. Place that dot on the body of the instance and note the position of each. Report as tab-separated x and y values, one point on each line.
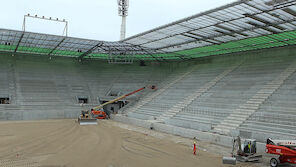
123	12
123	28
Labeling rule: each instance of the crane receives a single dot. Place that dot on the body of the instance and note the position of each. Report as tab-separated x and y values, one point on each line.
97	112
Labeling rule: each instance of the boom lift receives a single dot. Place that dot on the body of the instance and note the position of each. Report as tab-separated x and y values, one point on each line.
98	112
286	149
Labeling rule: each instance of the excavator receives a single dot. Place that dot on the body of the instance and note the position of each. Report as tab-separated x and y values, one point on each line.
86	118
285	149
243	152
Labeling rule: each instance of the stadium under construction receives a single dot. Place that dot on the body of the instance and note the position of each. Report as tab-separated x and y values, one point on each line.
213	76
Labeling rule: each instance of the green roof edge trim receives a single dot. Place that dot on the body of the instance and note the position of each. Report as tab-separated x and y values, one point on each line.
254	43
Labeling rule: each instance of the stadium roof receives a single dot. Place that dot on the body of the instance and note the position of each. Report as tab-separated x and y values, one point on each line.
240	26
13	41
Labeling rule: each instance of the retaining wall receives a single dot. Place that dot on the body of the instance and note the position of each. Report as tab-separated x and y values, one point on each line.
189	133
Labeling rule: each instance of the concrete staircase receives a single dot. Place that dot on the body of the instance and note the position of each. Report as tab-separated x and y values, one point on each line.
235	119
150	97
12	84
189	99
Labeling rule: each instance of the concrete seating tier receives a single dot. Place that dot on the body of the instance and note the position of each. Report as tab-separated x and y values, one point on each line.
278	113
255	126
235	91
193	80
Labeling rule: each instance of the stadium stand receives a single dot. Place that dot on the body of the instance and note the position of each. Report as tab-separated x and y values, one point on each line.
230	70
39	88
277	114
231	100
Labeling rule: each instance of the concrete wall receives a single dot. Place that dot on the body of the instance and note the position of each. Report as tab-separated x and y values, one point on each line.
43	88
184	132
40	88
277	114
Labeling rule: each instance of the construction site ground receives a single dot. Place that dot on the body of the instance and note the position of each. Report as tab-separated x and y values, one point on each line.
64	143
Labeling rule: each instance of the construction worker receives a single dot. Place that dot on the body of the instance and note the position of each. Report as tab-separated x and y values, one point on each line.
249	146
194	146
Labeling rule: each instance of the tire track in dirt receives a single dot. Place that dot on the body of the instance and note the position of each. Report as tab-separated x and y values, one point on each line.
33	139
79	147
33	142
45	144
99	145
138	142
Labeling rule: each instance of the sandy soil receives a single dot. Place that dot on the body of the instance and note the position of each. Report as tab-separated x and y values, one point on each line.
63	143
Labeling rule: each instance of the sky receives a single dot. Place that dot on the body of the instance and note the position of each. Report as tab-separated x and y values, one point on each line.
98	19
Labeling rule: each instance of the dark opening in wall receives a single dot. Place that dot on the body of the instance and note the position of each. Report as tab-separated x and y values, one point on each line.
4	100
113	94
82	100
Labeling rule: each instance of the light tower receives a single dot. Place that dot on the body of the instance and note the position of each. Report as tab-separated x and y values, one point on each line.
122	11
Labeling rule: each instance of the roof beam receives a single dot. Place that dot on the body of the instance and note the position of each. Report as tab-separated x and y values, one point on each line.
164	52
266	22
109	49
91	50
204	37
247	45
195	16
188	18
225	33
146	51
190	36
277	15
241	31
49	54
230	30
290	11
264	28
223	21
18	43
262	20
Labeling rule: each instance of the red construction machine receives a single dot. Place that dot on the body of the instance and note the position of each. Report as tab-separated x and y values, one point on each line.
98	112
286	149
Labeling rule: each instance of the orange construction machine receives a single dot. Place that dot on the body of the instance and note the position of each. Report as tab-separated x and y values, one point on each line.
98	114
98	111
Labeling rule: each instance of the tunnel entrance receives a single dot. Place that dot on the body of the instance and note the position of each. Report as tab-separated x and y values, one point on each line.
113	108
82	100
4	100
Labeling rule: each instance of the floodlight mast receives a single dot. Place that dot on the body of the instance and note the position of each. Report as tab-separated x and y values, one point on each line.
45	18
123	12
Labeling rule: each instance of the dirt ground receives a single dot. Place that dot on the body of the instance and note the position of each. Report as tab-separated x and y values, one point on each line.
63	143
